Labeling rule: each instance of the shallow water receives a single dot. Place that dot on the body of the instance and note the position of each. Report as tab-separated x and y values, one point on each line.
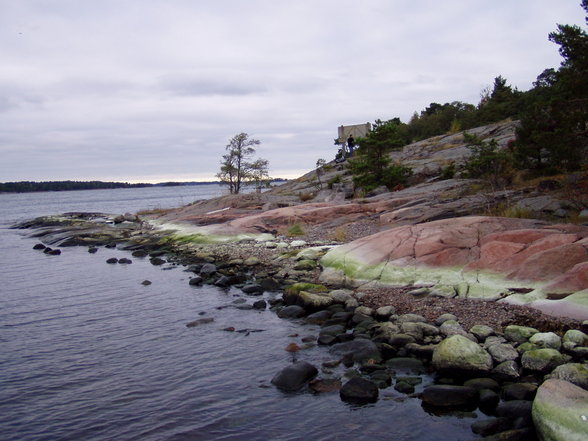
89	353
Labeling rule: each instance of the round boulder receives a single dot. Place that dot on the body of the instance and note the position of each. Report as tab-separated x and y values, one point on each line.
459	354
295	376
359	390
541	360
560	411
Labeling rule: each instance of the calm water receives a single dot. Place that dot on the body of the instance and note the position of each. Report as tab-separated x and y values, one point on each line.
88	353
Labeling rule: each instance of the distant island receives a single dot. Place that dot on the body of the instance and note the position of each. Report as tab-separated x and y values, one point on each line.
32	186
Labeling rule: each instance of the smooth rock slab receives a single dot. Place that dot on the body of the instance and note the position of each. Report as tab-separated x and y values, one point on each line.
295	376
560	411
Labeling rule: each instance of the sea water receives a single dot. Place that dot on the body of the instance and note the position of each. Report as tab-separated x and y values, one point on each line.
90	353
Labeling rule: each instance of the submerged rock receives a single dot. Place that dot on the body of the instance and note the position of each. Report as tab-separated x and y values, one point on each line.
442	395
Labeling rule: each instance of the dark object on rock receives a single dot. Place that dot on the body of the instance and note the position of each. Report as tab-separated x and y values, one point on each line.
46	250
156	261
260	304
295	376
39	246
195	281
110	245
404	387
360	391
252	289
146	282
292	311
112	260
53	252
442	395
125	261
139	253
199	322
92	250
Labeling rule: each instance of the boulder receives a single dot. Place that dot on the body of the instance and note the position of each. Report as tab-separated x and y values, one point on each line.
459	354
575	373
546	340
291	311
507	371
295	376
502	352
360	349
208	269
481	332
359	390
253	289
560	411
442	395
519	334
541	360
519	391
573	338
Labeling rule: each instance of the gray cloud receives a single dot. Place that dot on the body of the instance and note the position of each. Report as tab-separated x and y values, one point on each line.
153	90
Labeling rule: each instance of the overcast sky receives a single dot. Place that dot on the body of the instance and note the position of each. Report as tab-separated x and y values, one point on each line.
152	90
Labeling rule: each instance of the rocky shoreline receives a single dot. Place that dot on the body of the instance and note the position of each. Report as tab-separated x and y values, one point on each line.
508	361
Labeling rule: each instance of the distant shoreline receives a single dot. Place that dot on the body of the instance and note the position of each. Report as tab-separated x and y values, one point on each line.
43	186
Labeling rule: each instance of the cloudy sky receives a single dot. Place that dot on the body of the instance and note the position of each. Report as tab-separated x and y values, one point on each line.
152	90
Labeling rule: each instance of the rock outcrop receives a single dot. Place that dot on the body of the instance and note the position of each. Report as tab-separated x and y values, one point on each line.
476	257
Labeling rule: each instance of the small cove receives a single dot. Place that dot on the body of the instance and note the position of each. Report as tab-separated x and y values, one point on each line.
90	353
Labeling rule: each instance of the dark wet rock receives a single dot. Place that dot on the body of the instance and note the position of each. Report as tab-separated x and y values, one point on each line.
146	282
403	387
359	390
324	385
139	253
202	321
295	376
208	269
319	317
406	364
125	261
112	260
269	284
519	391
507	371
514	409
195	281
491	426
292	311
224	281
92	250
401	340
421	351
482	383
54	252
488	400
260	304
326	339
332	330
39	246
156	261
253	289
360	350
443	395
